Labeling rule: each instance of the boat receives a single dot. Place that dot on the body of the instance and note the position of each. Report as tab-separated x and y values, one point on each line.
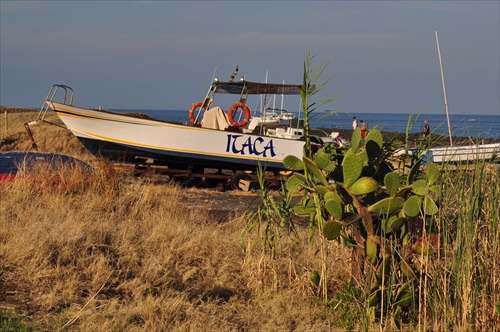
286	116
268	118
15	162
453	154
272	115
463	154
212	138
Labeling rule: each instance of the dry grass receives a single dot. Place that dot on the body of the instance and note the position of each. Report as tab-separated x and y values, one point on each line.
106	255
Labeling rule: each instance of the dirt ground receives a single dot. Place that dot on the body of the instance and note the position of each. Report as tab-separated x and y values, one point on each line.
222	206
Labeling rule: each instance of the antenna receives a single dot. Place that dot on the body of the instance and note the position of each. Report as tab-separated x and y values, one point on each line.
233	75
213	75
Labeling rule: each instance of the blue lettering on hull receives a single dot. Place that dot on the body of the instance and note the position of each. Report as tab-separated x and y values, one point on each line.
258	146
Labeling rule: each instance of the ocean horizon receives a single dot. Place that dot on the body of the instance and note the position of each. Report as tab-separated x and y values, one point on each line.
462	125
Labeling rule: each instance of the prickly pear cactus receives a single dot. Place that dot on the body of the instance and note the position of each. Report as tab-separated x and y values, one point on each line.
344	199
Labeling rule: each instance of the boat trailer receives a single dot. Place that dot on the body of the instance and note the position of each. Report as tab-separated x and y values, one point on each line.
221	179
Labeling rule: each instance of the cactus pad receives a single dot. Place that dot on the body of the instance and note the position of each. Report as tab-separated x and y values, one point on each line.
387	205
334	208
331	230
391	181
352	166
364	185
412	206
293	163
313	168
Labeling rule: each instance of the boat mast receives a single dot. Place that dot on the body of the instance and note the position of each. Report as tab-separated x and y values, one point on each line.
281	108
264	102
444	88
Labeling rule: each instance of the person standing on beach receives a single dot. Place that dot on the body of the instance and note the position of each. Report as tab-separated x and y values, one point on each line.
354	123
363	129
427	130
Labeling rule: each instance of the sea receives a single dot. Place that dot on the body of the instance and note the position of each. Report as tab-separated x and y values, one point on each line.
462	125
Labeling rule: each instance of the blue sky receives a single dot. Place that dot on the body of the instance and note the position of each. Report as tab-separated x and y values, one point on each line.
162	54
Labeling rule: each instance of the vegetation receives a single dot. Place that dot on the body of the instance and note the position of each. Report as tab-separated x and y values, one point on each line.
414	250
390	220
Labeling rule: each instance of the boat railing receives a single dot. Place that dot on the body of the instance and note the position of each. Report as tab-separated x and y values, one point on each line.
209	98
207	101
46	106
50	97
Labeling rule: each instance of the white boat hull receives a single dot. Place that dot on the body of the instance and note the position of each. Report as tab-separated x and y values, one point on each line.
457	154
464	154
123	138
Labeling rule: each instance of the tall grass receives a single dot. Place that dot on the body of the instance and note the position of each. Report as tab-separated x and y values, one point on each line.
464	281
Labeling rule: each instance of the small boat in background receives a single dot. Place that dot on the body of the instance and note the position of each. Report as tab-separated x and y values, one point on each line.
286	116
453	154
15	162
463	154
276	115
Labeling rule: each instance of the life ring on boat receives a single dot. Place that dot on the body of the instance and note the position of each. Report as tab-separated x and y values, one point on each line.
193	108
233	108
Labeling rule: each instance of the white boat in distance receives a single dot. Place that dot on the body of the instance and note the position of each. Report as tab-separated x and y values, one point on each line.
463	154
213	138
455	154
272	116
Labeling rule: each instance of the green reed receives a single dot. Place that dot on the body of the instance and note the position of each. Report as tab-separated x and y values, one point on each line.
464	279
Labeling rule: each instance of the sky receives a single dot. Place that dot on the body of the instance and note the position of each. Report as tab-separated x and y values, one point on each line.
381	56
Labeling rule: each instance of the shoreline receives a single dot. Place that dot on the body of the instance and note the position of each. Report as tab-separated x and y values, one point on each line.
413	138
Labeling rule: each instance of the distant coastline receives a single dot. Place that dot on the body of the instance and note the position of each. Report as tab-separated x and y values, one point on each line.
474	126
321	129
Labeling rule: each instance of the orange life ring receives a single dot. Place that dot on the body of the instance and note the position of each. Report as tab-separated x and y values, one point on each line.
193	108
233	108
